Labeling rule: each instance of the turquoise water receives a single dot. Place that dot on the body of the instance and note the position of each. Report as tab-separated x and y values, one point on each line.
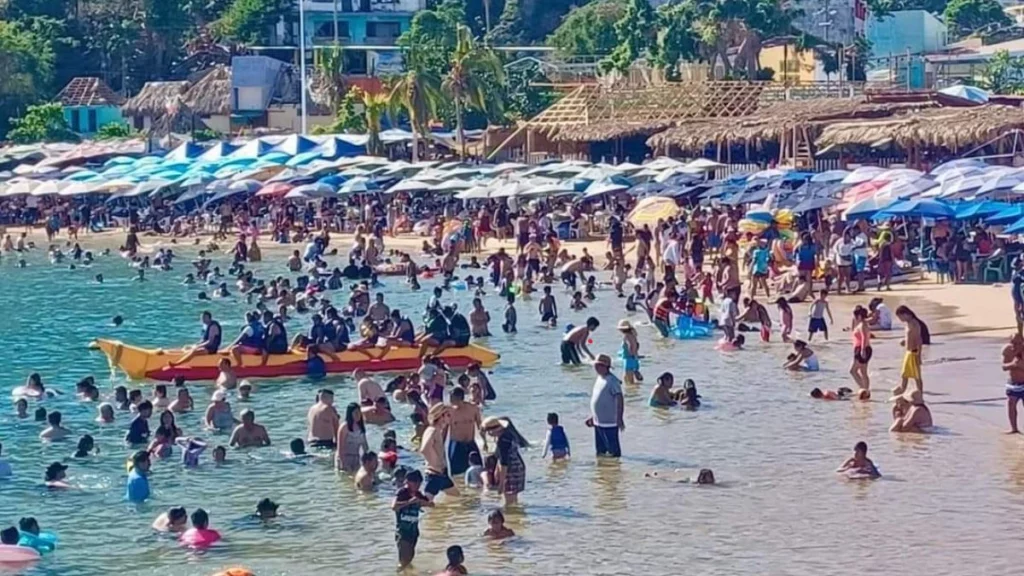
948	504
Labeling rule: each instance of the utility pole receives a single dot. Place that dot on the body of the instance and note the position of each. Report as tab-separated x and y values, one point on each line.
302	62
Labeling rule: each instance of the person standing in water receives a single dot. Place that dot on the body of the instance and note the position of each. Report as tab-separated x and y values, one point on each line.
406	505
511	470
861	351
322	421
548	308
465	421
630	353
913	340
819	307
606	409
575	341
351	440
432	449
1013	365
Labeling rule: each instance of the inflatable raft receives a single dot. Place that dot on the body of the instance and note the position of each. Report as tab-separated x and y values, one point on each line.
146	363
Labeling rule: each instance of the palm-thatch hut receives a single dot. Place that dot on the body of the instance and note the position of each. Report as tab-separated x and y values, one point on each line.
209	98
155	100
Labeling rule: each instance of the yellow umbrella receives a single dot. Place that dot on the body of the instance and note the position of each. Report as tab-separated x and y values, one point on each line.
650	210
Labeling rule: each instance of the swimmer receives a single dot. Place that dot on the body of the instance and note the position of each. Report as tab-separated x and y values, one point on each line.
199	535
86	447
244	391
688	397
859	464
160	400
182	403
173	521
496	529
266	510
99	278
249	434
705	477
297	450
378	414
661	395
456	560
840	394
21	408
220	455
366	477
548	308
802	359
55	475
55	431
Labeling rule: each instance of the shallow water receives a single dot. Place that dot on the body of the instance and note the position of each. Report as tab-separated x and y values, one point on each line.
947	503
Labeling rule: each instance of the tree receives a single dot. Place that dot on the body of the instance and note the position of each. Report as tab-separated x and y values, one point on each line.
676	37
467	81
113	130
636	32
432	36
26	69
374	107
966	17
347	120
525	94
327	85
41	123
248	21
589	30
1004	74
418	93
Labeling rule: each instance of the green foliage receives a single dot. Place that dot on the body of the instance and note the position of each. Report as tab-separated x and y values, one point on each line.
965	17
636	32
522	97
113	130
374	108
41	123
205	135
677	39
473	78
1004	74
589	30
347	120
249	20
26	69
431	37
418	94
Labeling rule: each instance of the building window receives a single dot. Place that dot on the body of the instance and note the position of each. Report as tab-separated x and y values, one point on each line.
383	29
353	62
326	30
76	120
92	121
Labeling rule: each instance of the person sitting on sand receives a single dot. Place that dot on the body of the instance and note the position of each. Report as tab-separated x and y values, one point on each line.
859	464
909	413
802	358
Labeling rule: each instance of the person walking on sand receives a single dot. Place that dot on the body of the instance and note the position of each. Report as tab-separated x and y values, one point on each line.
606	409
1013	365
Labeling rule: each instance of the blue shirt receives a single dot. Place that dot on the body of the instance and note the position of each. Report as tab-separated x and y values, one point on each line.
761	261
137	489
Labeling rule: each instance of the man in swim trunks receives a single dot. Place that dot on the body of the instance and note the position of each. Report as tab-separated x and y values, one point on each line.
548	308
1013	365
912	343
249	434
575	341
755	312
432	448
465	421
323	421
210	343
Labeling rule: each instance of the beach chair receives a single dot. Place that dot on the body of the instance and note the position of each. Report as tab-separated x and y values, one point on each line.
996	267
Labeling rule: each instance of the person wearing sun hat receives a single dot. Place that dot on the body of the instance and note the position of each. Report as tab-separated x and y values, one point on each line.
433	450
606	409
218	413
630	353
909	413
511	470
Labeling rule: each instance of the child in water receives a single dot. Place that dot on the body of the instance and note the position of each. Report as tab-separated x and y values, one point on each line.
786	318
510	315
577	303
588	290
859	464
496	528
556	441
840	394
474	474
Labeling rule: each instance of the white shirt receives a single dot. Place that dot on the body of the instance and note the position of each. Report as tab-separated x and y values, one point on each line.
884	317
603	405
671	253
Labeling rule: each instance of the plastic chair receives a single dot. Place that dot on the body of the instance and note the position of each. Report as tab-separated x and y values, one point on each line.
996	266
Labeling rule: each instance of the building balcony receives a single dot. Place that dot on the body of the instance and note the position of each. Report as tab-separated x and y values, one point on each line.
366	6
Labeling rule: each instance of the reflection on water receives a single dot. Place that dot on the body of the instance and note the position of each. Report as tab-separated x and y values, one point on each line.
942	507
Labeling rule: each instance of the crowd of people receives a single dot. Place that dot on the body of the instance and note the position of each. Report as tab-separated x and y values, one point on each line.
690	270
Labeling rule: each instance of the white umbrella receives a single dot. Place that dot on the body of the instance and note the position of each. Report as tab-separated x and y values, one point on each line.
474	193
898	174
831	176
228	171
354	186
959	163
863	174
50	187
81	188
115	185
905	187
314	190
553	189
284	175
955	173
408	185
662	163
451	186
1003	181
245	186
596	173
969	93
17	186
148	186
353	172
43	170
509	189
599	188
701	165
954	186
505	167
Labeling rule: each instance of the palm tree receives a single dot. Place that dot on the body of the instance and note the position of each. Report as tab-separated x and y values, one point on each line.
375	105
472	79
418	93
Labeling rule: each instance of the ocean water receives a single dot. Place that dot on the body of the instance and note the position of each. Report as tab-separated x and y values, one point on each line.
949	503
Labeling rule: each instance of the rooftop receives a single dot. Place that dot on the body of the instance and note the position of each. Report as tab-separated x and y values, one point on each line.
88	91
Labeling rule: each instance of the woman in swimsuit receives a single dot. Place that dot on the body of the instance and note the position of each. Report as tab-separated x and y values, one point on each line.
861	349
661	396
802	359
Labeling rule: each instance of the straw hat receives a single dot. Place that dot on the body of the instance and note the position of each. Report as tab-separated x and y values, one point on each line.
435	413
492	422
603	359
912	396
625	326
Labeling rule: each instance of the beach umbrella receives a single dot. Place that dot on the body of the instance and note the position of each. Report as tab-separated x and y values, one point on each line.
356	186
861	192
218	151
647	189
116	185
334	147
147	187
957	186
770	173
314	190
252	149
815	203
1002	181
920	208
507	167
550	189
701	165
969	93
863	174
662	163
18	186
261	173
474	193
303	159
275	189
185	151
51	187
979	209
248	186
296	144
510	189
1006	216
627	167
650	210
80	189
905	187
120	161
409	185
898	174
829	176
197	179
284	175
600	188
595	173
955	172
451	186
118	170
868	207
81	176
1015	228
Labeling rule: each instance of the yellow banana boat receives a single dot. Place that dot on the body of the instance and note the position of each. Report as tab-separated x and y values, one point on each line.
153	364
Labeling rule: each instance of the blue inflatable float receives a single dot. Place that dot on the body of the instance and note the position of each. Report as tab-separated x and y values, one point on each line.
688	329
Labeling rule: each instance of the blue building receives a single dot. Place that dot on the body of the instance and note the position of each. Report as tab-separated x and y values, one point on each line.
367	30
899	42
90	104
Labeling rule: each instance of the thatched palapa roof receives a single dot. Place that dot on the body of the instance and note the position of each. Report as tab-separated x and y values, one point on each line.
608	131
211	94
770	122
88	91
950	128
154	98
